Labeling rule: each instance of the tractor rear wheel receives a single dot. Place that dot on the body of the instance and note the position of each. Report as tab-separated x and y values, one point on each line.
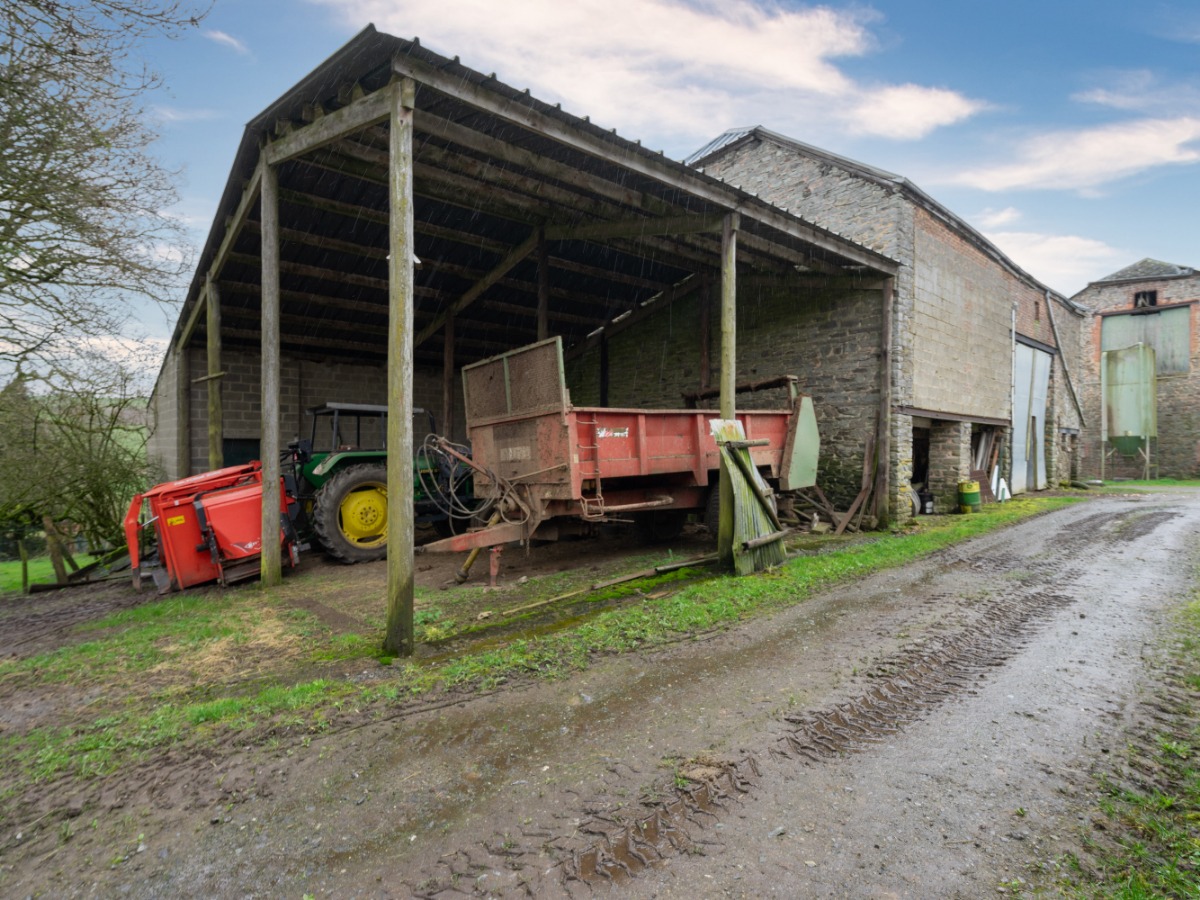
350	515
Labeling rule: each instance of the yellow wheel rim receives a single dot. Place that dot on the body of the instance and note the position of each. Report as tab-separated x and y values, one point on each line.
363	515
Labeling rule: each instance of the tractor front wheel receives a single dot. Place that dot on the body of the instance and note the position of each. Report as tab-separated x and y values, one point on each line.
350	515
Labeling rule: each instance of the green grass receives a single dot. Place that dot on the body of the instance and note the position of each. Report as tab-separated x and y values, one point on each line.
1141	484
1155	827
177	667
40	571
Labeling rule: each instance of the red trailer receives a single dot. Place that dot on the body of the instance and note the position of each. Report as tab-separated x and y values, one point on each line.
539	459
207	527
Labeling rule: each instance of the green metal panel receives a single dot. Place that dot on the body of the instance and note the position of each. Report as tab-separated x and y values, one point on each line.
802	448
1167	331
1130	392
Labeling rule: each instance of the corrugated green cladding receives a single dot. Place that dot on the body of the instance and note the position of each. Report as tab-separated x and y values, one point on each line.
1130	392
1166	331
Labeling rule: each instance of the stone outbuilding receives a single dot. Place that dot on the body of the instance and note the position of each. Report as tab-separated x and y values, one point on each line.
1141	353
979	377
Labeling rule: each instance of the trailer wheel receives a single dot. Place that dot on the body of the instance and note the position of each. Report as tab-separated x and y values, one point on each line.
350	514
661	525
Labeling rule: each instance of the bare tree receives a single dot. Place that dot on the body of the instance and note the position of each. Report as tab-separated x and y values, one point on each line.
83	230
74	451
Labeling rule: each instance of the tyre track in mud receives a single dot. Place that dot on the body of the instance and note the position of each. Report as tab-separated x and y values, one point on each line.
608	846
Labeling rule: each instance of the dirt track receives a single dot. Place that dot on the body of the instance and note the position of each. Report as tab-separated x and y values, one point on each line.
925	732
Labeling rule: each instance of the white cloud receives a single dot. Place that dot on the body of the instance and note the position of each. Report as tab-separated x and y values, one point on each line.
1141	91
994	218
908	111
226	40
675	70
1092	157
1064	262
176	114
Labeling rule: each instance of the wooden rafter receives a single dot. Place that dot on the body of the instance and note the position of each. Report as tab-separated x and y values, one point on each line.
472	293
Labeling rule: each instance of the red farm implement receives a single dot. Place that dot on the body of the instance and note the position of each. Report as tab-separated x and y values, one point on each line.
544	467
204	528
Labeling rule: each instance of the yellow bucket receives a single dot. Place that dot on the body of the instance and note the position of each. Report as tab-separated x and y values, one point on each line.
968	496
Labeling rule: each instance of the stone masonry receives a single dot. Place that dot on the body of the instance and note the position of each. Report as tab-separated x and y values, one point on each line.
826	331
1176	452
955	294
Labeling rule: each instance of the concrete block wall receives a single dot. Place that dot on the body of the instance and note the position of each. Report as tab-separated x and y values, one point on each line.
1177	449
819	190
304	383
163	422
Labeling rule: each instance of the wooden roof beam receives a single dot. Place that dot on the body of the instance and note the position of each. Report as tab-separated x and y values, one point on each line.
362	112
517	254
640	162
428	123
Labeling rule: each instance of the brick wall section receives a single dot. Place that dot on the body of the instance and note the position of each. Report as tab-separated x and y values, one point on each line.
952	317
824	330
1177	450
1067	398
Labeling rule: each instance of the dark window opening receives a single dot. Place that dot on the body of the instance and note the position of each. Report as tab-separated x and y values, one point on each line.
239	451
1143	299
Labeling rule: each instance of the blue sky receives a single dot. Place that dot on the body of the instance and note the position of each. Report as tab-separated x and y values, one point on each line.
1066	131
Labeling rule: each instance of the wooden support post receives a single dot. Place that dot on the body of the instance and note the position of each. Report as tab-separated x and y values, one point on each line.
24	554
183	409
55	548
543	287
727	381
883	422
399	636
604	373
729	315
706	333
216	431
271	567
448	381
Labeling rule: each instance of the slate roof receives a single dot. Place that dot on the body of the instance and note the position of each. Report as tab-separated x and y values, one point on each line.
1149	270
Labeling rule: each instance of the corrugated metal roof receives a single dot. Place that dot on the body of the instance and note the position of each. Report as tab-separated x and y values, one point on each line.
492	164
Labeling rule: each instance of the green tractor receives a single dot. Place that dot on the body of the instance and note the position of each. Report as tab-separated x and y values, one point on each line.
339	477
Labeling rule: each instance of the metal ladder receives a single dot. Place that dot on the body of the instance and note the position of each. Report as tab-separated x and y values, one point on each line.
590	508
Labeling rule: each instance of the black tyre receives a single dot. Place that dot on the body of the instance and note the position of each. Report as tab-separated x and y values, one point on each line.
660	525
350	514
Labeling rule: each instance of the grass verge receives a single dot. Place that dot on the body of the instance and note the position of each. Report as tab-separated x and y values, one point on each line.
198	665
1144	838
41	571
1120	487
